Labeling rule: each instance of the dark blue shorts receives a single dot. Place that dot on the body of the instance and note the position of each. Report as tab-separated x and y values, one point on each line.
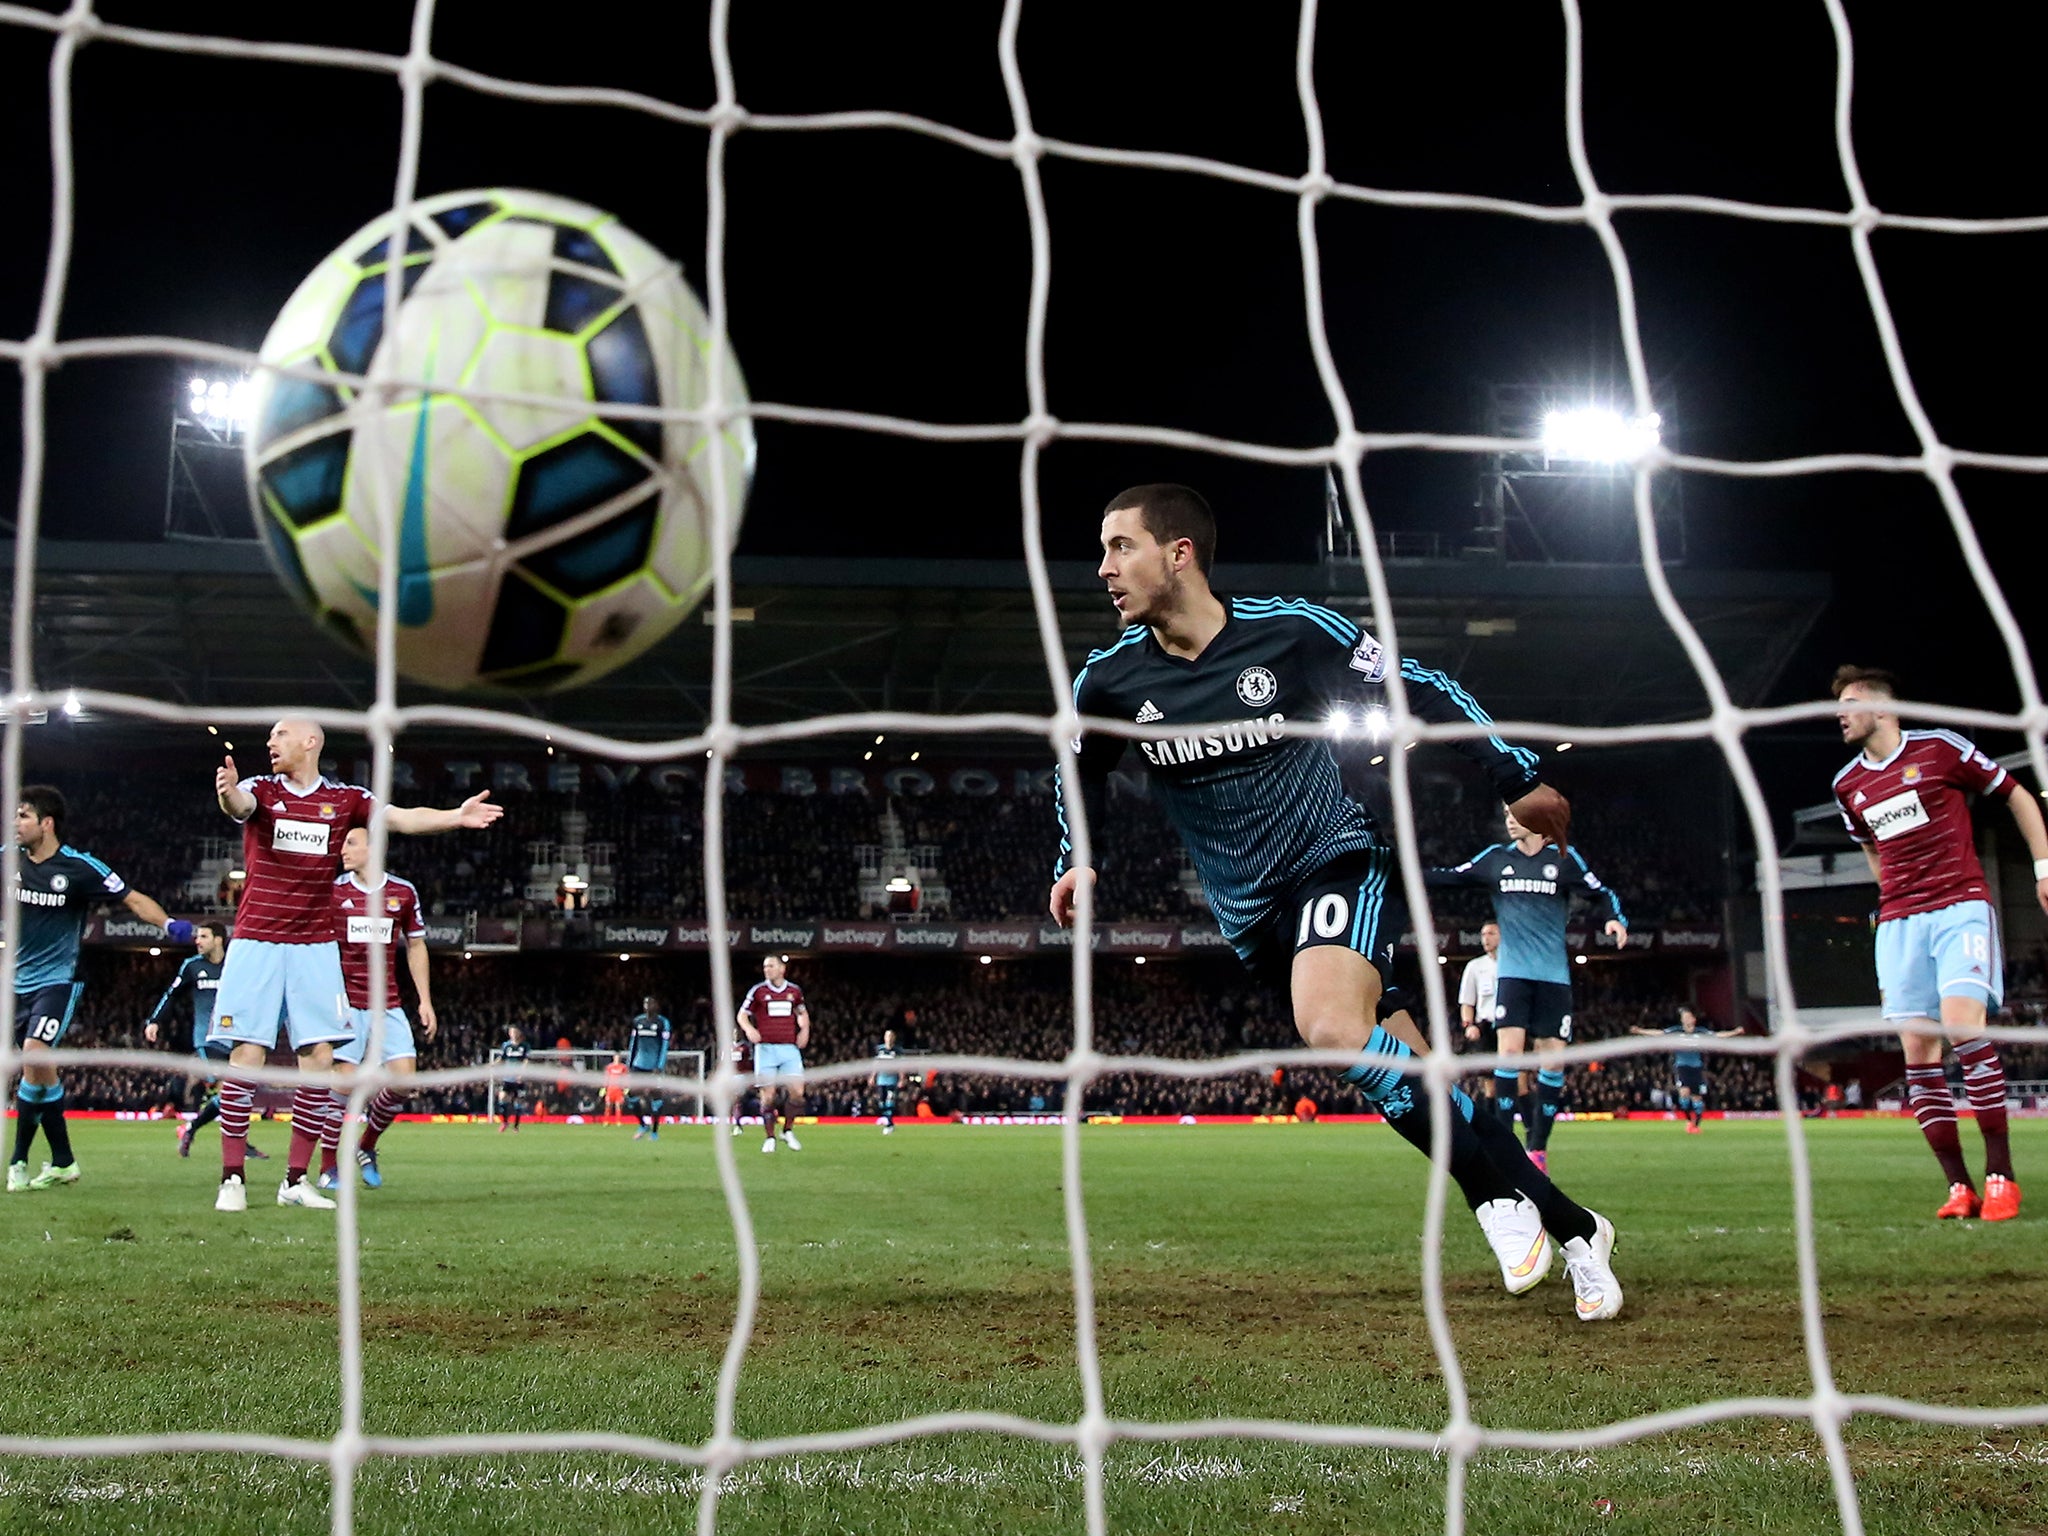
1354	902
1543	1008
1694	1078
45	1014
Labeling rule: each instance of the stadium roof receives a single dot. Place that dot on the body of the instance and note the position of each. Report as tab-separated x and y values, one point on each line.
206	623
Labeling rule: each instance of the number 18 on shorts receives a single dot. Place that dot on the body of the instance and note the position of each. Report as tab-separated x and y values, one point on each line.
1952	951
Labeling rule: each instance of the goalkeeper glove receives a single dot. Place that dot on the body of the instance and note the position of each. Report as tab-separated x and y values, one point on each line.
179	930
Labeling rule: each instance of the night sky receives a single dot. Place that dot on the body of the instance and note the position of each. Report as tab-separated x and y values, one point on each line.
888	272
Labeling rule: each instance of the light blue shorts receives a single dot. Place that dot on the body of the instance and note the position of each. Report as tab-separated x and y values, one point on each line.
397	1037
262	980
778	1061
1952	951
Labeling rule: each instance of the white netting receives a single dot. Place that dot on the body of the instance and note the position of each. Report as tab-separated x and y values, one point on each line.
1461	1437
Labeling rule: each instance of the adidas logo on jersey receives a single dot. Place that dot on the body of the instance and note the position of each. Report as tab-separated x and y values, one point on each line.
1149	712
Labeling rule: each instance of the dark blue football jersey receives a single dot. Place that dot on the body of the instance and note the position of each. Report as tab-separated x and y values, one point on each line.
1532	898
201	977
1692	1058
55	897
648	1042
1259	802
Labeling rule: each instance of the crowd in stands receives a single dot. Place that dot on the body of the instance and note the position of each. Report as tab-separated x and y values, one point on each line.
1018	1009
794	856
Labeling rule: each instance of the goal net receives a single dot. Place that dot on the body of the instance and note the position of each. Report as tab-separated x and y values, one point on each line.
1309	188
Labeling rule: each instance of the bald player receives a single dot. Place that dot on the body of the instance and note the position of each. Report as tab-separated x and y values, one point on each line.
285	959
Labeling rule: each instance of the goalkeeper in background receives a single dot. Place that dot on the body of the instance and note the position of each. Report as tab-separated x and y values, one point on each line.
1302	880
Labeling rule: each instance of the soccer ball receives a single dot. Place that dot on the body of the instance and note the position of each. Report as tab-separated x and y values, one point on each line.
538	546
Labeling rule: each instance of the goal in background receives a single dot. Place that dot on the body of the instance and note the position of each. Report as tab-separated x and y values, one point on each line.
579	1095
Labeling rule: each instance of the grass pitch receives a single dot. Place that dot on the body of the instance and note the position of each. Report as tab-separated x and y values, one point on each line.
571	1278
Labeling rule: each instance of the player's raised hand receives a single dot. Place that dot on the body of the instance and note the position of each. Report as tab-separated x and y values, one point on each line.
1063	895
149	1032
1545	812
475	813
224	777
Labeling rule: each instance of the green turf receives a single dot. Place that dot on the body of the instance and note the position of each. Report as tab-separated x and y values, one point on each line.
571	1278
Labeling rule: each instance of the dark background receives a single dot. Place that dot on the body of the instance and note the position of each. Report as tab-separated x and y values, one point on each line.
888	272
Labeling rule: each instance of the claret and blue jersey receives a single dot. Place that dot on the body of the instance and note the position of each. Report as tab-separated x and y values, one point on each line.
1532	897
1254	795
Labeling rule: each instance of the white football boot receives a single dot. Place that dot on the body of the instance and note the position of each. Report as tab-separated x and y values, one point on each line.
303	1193
233	1196
1585	1260
789	1140
768	1145
1515	1232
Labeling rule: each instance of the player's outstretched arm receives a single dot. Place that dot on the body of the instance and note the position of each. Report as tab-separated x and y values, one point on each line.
418	820
1440	699
2026	813
234	800
146	908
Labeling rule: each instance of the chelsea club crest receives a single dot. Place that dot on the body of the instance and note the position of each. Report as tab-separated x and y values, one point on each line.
1256	686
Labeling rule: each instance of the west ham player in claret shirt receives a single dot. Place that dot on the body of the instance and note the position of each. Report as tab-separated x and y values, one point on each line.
1940	967
284	959
778	1025
1302	880
367	915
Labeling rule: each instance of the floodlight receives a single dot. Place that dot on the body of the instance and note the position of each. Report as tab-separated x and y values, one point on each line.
1377	723
72	708
1599	434
223	405
899	884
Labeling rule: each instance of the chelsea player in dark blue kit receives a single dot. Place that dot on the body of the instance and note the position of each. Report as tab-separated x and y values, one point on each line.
1533	878
1303	882
199	977
647	1051
55	889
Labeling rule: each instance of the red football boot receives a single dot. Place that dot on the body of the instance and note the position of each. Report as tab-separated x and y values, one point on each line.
1962	1203
2001	1198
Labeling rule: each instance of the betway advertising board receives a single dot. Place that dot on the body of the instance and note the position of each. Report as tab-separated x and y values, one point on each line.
819	936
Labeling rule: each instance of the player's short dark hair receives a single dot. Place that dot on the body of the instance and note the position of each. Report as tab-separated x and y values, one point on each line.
47	801
1875	678
210	926
1172	512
